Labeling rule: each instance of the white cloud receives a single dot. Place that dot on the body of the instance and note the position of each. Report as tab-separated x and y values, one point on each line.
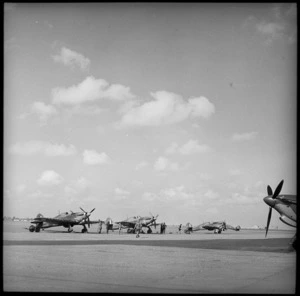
72	58
77	187
141	165
149	196
91	157
173	148
271	30
82	183
244	136
234	172
166	108
162	164
82	110
46	148
70	191
205	176
20	188
280	23
210	194
121	193
190	147
43	111
50	178
59	150
177	193
212	211
90	89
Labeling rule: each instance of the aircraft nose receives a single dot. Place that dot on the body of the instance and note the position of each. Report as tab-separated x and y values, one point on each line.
270	201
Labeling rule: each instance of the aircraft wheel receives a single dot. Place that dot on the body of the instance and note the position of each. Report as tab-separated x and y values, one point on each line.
31	228
84	230
37	229
137	235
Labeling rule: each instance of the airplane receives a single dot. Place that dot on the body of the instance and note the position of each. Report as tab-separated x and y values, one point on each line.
130	223
217	227
285	205
67	220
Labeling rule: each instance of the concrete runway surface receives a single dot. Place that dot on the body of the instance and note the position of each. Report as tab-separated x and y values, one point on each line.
202	262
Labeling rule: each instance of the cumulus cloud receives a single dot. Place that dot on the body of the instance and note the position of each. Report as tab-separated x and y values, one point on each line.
49	178
90	89
43	111
278	24
72	58
190	147
77	187
244	136
91	157
270	29
141	165
46	148
234	172
166	108
121	193
210	194
178	193
163	164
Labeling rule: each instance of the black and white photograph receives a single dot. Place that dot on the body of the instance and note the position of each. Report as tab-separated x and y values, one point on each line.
150	147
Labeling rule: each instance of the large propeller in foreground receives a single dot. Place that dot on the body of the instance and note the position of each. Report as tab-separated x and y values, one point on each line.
87	215
270	200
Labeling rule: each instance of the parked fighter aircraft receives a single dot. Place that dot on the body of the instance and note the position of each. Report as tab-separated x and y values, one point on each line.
66	219
130	223
285	205
217	227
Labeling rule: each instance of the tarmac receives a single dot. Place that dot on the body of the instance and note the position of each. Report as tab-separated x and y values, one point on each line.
232	262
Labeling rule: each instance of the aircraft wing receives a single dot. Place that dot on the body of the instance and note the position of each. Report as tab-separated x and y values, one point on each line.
52	220
230	227
126	224
290	198
237	228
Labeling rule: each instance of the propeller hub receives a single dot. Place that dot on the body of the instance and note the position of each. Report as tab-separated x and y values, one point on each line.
270	201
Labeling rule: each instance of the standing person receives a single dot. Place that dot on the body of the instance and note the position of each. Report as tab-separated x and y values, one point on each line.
165	226
100	227
179	228
161	228
138	228
120	226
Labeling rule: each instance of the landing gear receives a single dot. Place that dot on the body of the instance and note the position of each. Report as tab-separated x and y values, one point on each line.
149	230
31	228
84	230
70	229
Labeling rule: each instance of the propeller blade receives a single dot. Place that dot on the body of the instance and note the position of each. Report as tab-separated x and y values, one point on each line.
269	219
82	209
92	210
270	191
278	189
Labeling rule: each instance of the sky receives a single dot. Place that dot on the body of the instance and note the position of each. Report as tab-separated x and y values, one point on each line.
185	110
